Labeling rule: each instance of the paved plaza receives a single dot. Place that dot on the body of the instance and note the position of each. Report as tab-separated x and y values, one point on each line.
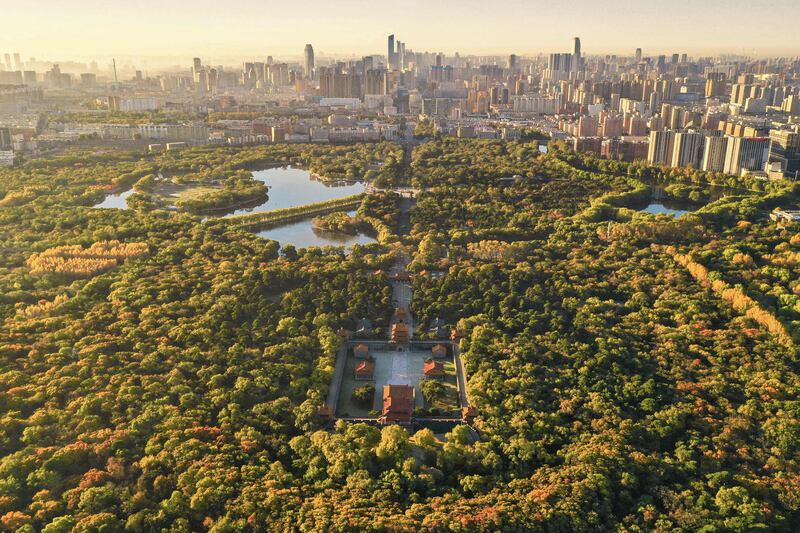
394	367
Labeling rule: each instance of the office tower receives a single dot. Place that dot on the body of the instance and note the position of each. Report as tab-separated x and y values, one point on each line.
746	153
687	149
512	62
390	55
8	61
196	65
784	149
576	59
439	60
661	146
400	57
684	58
675	59
5	138
714	153
17	61
638	55
309	54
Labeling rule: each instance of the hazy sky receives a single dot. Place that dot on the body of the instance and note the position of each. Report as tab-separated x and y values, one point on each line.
219	29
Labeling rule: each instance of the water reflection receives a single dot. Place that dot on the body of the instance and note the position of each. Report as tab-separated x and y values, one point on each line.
115	201
658	208
302	234
290	187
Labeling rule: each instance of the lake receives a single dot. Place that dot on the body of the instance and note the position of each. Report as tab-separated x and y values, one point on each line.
302	234
290	187
658	208
115	201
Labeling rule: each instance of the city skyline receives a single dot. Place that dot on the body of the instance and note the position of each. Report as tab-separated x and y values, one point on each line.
354	27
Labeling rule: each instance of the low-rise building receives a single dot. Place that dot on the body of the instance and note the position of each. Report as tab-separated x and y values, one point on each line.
398	404
433	369
365	370
361	350
6	158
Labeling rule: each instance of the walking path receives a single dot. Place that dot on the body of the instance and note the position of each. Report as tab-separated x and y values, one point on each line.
338	374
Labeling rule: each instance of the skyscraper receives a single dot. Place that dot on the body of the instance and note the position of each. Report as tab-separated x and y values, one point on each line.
576	60
400	56
785	149
390	56
638	55
17	61
512	62
309	53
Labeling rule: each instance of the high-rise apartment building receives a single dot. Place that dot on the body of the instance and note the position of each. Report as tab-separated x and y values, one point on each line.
377	81
687	150
746	153
714	153
661	147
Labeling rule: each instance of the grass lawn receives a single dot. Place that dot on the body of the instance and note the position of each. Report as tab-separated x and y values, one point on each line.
346	406
448	403
175	191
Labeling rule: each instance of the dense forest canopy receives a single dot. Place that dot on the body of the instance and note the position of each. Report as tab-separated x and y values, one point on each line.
632	372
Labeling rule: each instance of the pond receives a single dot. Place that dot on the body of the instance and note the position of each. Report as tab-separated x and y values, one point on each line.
658	208
661	203
290	187
302	234
115	201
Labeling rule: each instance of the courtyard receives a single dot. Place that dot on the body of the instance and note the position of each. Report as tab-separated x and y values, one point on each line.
395	367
